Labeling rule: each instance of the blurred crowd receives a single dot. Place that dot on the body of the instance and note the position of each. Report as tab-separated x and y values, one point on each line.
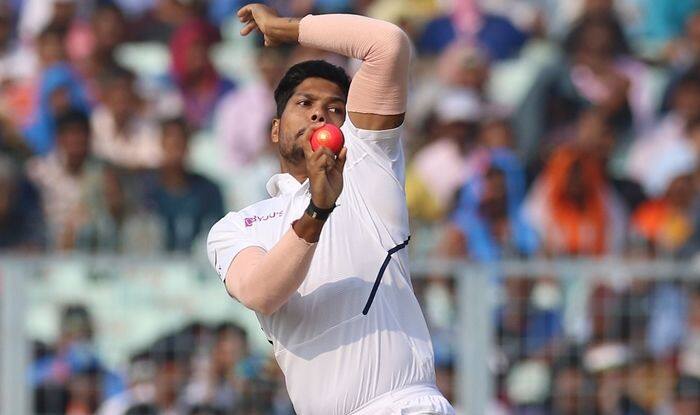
536	128
199	369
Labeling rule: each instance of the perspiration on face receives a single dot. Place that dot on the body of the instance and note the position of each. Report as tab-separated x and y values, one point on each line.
314	100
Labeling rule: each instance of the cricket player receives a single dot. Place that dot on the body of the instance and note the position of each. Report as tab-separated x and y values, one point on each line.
322	262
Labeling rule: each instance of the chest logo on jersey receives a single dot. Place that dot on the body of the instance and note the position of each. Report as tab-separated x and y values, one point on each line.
251	220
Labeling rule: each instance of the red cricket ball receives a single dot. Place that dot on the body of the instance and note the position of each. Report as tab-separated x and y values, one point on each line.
328	136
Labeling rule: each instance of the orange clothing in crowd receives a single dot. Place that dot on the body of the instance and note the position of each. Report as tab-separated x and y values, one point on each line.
575	228
658	222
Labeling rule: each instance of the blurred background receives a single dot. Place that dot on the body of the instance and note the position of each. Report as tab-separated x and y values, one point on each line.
553	182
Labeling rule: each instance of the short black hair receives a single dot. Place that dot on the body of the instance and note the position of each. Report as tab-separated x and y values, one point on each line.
229	327
70	118
177	122
52	30
308	69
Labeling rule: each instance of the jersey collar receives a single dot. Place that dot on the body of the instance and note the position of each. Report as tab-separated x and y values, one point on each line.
285	184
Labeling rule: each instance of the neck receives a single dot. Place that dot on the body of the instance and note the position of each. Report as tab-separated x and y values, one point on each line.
299	172
74	169
173	177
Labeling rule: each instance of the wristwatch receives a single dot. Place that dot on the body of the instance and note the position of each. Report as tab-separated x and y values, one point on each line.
318	213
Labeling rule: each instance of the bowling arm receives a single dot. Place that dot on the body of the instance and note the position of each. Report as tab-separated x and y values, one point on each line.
377	97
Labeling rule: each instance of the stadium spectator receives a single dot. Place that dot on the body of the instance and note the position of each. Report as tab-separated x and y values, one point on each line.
461	66
666	223
36	15
158	20
654	158
573	207
497	34
186	203
571	387
193	72
597	70
216	384
496	132
67	180
91	44
59	91
21	220
120	221
243	117
109	30
488	215
13	58
442	166
124	134
138	390
74	366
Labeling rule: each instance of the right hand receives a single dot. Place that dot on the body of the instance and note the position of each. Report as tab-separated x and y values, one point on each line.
325	170
265	18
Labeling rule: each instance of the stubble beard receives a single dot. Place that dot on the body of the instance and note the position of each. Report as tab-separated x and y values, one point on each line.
291	151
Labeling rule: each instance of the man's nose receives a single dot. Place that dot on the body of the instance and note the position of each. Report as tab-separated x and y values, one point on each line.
318	116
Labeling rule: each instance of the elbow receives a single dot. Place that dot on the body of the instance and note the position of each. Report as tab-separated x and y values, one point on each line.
261	306
398	43
267	309
253	299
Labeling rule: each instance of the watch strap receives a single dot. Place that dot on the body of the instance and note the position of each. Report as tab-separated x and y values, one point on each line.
317	212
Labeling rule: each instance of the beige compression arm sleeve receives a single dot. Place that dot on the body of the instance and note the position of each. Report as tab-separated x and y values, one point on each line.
379	86
264	281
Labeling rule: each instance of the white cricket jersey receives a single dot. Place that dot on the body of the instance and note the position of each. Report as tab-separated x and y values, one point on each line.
339	345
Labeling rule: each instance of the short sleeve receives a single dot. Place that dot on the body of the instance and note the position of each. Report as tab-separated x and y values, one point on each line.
382	146
226	239
374	181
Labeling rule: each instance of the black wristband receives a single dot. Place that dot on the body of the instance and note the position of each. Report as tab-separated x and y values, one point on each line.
317	213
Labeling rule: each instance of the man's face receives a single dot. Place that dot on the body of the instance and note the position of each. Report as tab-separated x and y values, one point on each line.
494	203
50	49
108	26
120	97
314	100
230	348
74	143
174	141
568	391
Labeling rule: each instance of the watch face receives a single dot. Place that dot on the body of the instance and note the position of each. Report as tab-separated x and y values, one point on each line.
317	213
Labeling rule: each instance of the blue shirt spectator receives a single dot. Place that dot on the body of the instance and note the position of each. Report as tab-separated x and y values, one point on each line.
187	203
495	196
60	89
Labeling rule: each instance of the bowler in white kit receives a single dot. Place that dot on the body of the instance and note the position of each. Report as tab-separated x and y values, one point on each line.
322	262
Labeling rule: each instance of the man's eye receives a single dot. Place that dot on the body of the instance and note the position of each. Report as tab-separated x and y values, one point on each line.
304	102
336	110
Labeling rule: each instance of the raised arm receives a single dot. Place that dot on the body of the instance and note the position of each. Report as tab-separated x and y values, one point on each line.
377	97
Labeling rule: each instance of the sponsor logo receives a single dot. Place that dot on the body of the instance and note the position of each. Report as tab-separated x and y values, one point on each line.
251	220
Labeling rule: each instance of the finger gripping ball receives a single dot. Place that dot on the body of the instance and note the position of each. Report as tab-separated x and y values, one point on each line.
328	136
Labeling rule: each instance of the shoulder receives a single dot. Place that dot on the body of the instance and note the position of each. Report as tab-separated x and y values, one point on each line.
241	220
382	142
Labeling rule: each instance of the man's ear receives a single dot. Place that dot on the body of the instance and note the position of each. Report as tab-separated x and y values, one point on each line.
275	130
